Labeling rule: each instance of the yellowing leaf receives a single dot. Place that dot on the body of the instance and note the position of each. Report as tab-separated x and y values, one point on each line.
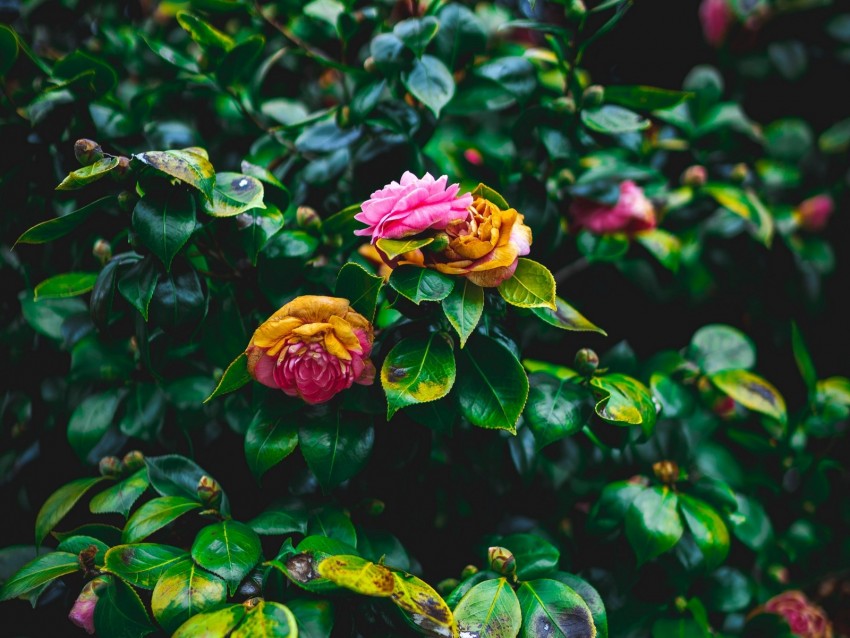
358	575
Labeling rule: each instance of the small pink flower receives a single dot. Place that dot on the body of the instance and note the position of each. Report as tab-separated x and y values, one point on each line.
633	212
82	613
716	16
473	156
412	206
815	212
806	619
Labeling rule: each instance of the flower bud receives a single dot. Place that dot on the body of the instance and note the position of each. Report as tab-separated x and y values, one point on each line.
502	561
564	104
133	461
252	585
102	251
252	602
473	156
739	173
469	570
111	466
447	585
666	471
122	169
440	243
127	201
86	558
576	9
815	212
307	217
695	176
593	96
82	613
586	362
87	151
369	65
209	491
375	507
566	177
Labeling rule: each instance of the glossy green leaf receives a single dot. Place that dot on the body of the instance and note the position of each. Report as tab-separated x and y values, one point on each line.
835	139
550	608
360	287
745	204
357	574
463	308
535	556
718	347
120	498
59	504
628	401
8	49
57	227
393	248
566	317
336	445
120	613
315	618
591	598
212	624
751	391
751	524
603	248
664	246
489	609
647	98
100	76
156	514
461	34
653	525
430	82
531	286
416	33
708	529
80	543
268	441
275	522
331	522
186	165
141	564
556	408
613	120
204	33
418	370
610	509
138	284
257	226
804	360
234	193
171	56
47	316
235	65
233	378
69	284
421	284
164	222
184	590
175	475
145	411
90	421
39	572
491	386
228	549
88	174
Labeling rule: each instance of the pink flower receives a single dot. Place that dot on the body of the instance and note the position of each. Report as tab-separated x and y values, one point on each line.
411	207
313	347
815	212
806	619
82	613
716	17
633	212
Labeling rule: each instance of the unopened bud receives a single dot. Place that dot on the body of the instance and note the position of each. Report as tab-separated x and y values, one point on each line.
695	176
564	104
469	570
87	151
209	491
127	201
343	116
447	585
566	177
133	461
369	65
102	251
440	243
86	558
740	173
502	561
375	507
111	466
122	169
593	96
252	585
576	9
666	471
82	613
307	217
586	362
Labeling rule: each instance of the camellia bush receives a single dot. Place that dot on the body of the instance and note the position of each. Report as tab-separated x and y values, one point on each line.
397	318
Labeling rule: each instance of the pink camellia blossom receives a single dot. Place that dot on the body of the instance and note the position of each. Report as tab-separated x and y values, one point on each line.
815	212
632	213
806	619
716	16
313	348
412	206
82	613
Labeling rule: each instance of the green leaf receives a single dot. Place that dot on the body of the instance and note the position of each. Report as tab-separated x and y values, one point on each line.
233	378
59	504
422	607
76	544
718	347
421	284
57	227
567	318
550	608
676	400
186	165
653	525
708	529
184	590
613	120
627	401
8	49
804	361
274	522
591	598
90	421
164	222
602	247
336	445
268	441
228	549
463	308
204	33
489	609
233	194
492	386
212	624
396	247
610	509
119	498
417	371
678	628
835	139
47	316
416	33
138	284
234	66
485	192
357	574
156	514
751	391
257	226
333	523
88	174
145	411
141	564
120	613
360	287
100	76
69	284
532	286
556	408
175	475
171	56
514	74
664	246
461	34
315	618
535	556
747	205
430	82
267	619
647	98
39	572
751	524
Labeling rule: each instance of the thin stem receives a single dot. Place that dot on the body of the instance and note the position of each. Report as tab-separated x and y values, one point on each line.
571	269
